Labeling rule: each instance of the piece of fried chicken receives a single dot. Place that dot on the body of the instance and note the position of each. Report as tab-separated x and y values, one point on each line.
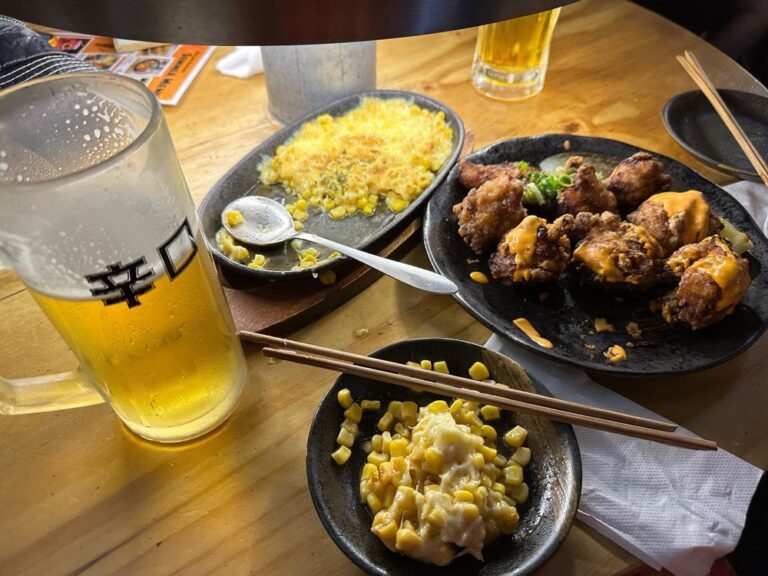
488	211
586	194
474	175
532	252
613	253
636	178
676	218
713	280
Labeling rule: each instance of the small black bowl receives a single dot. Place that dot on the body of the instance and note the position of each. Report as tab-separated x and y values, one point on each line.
553	475
693	122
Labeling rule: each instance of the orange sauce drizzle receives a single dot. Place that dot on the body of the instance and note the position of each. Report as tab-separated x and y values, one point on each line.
532	333
522	243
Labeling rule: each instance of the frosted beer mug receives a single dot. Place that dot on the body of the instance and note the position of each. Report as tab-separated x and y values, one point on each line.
97	221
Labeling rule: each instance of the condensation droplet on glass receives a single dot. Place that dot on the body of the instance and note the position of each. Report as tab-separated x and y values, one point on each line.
106	128
94	108
85	112
19	178
67	121
87	137
3	154
77	106
97	133
3	166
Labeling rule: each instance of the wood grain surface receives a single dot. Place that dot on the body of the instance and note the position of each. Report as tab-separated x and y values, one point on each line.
81	495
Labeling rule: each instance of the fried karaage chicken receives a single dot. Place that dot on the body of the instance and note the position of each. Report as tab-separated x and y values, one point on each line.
713	280
532	252
676	218
488	211
636	178
475	175
617	254
586	194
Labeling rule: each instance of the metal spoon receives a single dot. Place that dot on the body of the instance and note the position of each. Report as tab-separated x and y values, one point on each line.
268	222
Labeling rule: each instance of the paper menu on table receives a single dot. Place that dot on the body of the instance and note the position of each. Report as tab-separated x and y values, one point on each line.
167	70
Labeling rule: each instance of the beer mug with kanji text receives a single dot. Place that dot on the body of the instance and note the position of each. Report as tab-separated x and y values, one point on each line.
97	221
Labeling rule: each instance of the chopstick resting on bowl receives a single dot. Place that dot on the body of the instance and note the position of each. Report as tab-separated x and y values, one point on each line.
694	69
458	387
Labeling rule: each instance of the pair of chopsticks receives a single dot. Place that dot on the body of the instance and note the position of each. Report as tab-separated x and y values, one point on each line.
483	392
692	65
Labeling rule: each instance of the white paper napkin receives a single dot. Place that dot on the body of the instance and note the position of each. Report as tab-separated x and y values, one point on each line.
243	62
672	508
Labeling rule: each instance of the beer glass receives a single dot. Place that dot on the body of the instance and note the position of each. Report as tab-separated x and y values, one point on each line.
511	57
97	221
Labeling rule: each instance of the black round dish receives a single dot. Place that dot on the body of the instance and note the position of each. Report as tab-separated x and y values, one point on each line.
357	231
567	316
693	122
554	474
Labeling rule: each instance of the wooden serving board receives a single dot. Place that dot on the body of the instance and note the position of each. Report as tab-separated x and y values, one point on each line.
279	308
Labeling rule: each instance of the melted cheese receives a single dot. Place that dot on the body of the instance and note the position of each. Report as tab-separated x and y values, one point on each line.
615	353
695	212
725	269
532	333
521	241
601	260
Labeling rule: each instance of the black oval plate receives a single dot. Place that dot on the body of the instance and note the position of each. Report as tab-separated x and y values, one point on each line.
554	474
691	120
358	231
567	316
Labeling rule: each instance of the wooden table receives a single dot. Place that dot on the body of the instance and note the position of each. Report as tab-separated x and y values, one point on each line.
80	495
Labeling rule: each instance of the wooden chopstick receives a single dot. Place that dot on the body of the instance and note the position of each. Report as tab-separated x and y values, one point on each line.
695	70
457	381
661	436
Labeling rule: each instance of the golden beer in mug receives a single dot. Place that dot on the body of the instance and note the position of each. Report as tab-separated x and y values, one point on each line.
511	57
111	251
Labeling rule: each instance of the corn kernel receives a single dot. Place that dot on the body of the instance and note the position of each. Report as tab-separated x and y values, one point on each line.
257	262
345	398
437	517
398	462
354	412
516	437
402	430
389	496
408	413
365	489
345	438
469	511
513	474
377	458
426	364
386	531
478	461
376	442
370	404
350	427
478	371
396	204
522	456
395	408
406	540
456	406
341	455
509	519
369	470
386	440
338	212
301	204
498	487
518	493
374	503
413	364
488	453
438	406
239	253
385	421
398	447
490	412
441	366
463	496
488	432
234	217
433	460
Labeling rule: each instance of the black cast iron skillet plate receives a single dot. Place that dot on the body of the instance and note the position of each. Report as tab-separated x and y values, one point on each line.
553	475
358	231
693	122
567	316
